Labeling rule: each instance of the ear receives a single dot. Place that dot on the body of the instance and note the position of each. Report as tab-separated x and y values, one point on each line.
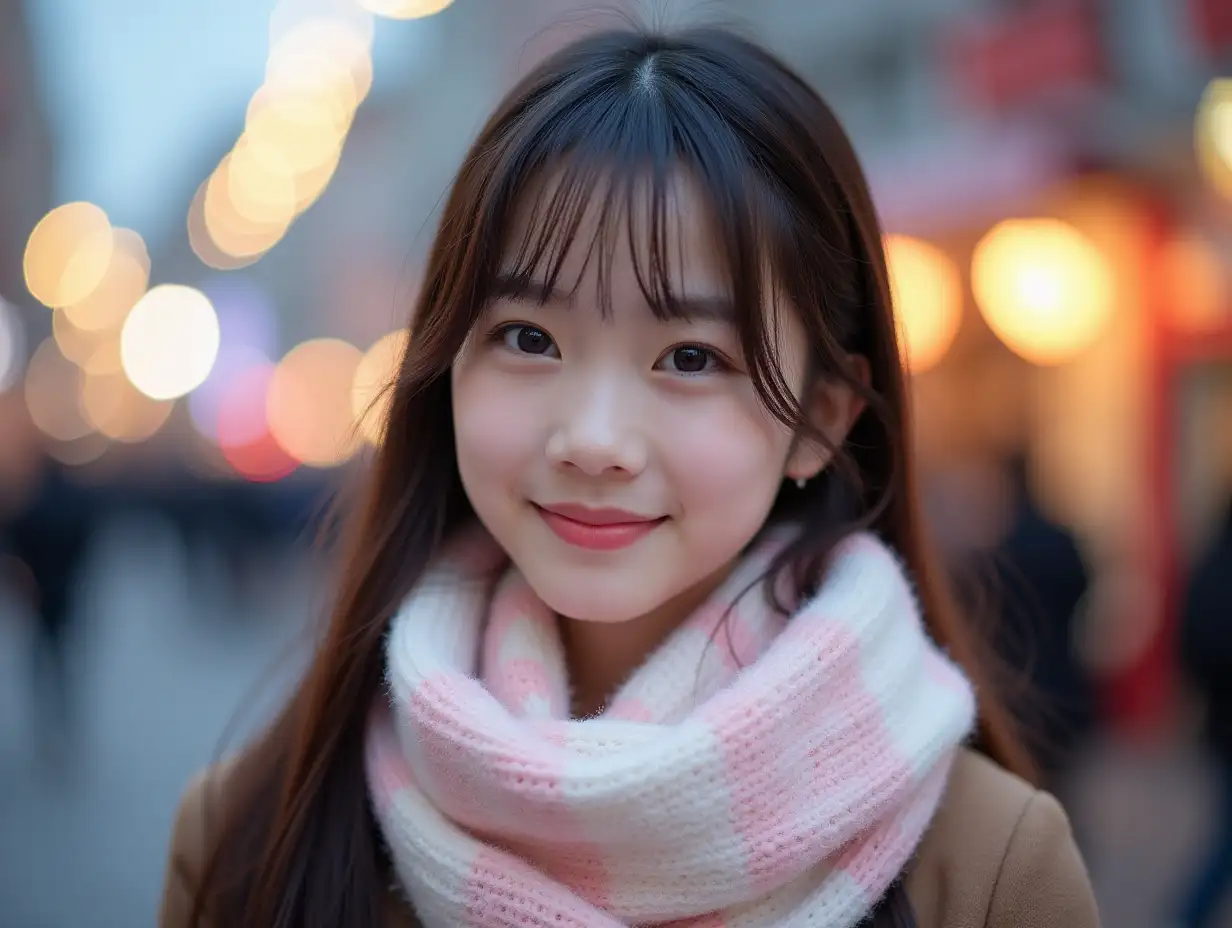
833	406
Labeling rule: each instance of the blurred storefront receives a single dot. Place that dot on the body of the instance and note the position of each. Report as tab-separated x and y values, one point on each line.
1063	273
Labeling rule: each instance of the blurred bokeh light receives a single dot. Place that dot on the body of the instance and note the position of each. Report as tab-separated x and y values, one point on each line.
207	402
318	72
229	230
1213	134
68	253
927	299
243	427
119	410
122	284
170	341
53	394
371	390
310	408
1195	278
76	344
1043	287
405	9
79	451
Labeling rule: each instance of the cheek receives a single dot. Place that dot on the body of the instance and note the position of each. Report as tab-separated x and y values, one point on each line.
492	427
728	449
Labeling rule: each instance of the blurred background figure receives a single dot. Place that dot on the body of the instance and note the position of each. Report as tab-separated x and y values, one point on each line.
1206	649
1024	581
46	534
1040	581
212	220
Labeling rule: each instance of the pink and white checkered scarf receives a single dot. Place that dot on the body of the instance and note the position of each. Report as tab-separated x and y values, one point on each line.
778	773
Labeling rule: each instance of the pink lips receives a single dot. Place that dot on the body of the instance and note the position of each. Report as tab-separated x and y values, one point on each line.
597	529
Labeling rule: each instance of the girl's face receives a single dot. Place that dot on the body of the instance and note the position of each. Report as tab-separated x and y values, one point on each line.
623	462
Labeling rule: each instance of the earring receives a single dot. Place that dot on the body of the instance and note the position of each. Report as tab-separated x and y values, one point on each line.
800	482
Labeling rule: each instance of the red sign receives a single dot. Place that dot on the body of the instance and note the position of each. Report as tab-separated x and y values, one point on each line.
1030	56
1212	23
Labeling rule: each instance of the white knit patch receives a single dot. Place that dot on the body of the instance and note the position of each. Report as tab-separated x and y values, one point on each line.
923	716
644	833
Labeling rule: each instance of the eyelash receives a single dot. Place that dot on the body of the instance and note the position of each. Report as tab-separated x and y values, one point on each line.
721	365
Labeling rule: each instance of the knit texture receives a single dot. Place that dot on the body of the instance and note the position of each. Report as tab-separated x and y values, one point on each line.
775	771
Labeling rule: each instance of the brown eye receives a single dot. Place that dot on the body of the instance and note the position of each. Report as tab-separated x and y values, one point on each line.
527	339
690	359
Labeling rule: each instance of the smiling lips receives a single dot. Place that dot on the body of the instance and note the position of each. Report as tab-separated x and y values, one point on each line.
597	529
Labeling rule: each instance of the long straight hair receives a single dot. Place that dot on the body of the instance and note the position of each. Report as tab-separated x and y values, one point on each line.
611	119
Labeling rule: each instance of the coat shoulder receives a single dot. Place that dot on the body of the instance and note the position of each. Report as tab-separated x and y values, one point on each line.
197	817
998	853
202	809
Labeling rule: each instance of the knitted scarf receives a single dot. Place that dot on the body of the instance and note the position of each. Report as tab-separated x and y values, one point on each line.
755	770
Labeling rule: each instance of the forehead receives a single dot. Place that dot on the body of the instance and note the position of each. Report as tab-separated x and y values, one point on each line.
614	231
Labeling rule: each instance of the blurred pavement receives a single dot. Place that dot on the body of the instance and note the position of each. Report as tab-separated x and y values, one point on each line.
161	669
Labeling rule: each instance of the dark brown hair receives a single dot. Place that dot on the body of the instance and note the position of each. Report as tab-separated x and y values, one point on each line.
613	116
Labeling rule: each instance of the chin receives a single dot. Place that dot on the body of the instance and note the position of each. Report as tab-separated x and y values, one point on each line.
607	600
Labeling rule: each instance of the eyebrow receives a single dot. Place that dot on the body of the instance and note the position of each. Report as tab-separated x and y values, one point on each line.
690	308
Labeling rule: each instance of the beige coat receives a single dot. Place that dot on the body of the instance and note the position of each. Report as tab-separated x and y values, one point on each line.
998	854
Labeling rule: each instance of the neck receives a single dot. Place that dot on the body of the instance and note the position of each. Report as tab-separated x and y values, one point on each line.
602	655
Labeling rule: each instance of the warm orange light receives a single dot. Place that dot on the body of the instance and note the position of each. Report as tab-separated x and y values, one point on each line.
261	183
118	410
122	285
202	242
340	81
1195	282
79	451
53	394
1043	288
78	345
67	254
230	232
371	389
309	406
105	358
927	299
305	129
333	49
1213	134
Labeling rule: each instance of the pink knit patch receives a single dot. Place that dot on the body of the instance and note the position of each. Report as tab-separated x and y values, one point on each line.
503	892
520	781
583	869
854	752
511	604
454	782
387	768
519	683
872	861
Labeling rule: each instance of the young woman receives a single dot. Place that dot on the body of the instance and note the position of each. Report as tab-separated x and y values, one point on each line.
638	625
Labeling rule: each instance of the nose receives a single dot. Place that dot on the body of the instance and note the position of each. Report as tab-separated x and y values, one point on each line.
599	433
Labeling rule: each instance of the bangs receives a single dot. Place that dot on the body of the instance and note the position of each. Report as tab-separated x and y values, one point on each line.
573	221
587	171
